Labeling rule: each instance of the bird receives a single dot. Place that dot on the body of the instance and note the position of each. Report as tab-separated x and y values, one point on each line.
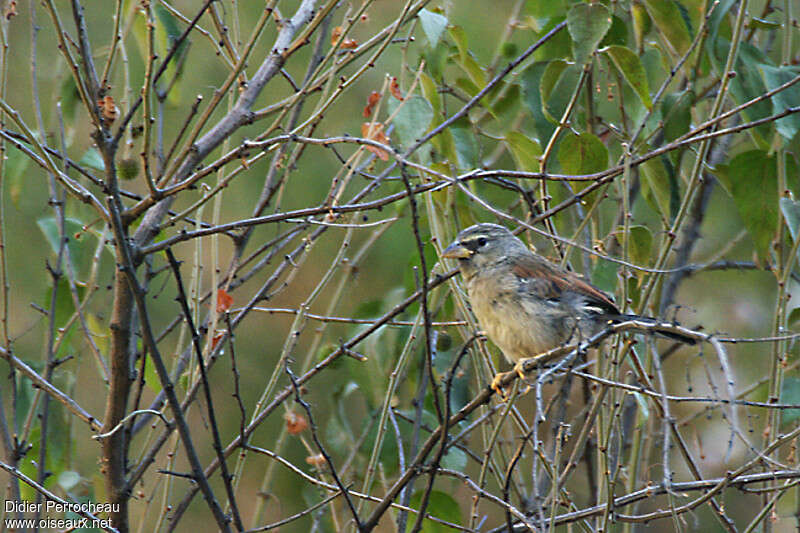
526	304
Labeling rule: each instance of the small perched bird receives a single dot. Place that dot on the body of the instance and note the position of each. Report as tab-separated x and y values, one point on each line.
526	304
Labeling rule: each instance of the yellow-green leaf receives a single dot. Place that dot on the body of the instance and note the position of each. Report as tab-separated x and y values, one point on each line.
754	187
413	119
676	110
587	25
659	188
640	244
582	154
433	24
628	63
774	77
441	505
525	151
667	17
558	84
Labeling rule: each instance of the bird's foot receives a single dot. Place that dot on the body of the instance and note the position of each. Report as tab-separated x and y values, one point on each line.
519	369
497	384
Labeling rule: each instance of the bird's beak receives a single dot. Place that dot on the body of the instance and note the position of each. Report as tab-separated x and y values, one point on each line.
456	251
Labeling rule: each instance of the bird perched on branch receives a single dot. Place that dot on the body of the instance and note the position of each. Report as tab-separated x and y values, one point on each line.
526	304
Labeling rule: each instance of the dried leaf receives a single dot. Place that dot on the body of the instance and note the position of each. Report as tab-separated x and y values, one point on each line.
336	34
108	109
374	131
218	337
295	423
316	460
394	88
372	99
224	301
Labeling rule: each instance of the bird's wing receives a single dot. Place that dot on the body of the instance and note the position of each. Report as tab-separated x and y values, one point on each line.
550	282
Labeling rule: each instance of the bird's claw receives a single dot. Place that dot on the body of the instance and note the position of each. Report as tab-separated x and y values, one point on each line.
497	382
519	368
497	386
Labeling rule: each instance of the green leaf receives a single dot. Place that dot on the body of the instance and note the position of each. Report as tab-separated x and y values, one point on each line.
722	172
754	188
716	19
80	250
582	154
525	151
509	50
643	406
763	24
641	23
790	393
507	101
460	39
640	244
455	459
441	505
794	317
68	479
431	95
628	63
413	119
531	84
660	187
557	47
617	34
433	24
49	228
170	26
28	465
466	85
587	25
387	454
775	77
670	23
791	213
15	165
545	10
552	73
93	160
70	97
435	60
465	60
466	144
473	70
748	83
677	112
152	381
604	276
168	32
558	84
693	13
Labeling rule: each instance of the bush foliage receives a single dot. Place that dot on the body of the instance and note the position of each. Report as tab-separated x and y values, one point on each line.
223	301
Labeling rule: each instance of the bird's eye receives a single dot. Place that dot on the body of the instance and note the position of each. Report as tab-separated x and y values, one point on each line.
482	241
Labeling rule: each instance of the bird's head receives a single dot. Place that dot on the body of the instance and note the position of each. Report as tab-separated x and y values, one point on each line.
482	245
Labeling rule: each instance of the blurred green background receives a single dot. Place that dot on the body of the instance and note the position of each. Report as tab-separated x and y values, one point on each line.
737	302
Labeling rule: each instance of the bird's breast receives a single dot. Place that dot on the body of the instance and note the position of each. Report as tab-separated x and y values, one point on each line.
522	325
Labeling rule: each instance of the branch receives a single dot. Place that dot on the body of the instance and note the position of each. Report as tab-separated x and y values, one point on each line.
41	383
